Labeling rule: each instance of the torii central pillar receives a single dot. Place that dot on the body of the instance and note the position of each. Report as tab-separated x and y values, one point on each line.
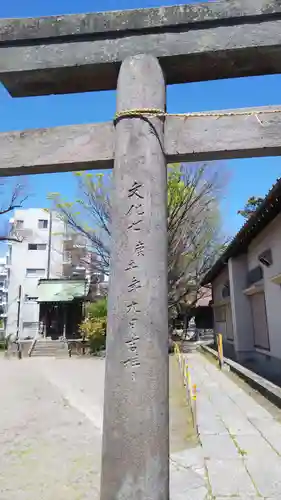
135	457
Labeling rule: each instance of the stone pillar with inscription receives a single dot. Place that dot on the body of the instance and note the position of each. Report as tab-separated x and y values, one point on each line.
135	457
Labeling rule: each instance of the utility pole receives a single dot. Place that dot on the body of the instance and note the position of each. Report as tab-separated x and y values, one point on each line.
18	322
48	265
49	245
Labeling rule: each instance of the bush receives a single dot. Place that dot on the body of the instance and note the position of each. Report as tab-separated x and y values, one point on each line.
93	328
5	342
97	309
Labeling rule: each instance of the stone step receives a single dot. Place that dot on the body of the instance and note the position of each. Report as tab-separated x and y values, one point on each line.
47	348
49	351
49	342
51	348
49	354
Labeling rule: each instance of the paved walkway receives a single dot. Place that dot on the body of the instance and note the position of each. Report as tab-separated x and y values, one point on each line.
51	426
241	440
49	430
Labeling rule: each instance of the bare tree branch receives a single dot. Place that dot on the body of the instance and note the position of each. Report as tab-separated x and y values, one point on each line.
15	200
194	225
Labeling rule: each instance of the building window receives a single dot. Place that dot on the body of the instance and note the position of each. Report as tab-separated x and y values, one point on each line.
37	246
19	224
67	256
43	223
265	258
226	290
35	273
255	275
28	298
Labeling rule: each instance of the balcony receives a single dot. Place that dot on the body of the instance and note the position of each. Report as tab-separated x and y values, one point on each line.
74	257
74	242
67	257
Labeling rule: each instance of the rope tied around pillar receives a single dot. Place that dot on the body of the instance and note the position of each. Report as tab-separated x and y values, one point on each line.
149	112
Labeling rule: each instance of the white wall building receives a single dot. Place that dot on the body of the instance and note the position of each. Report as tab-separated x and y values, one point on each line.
47	249
246	286
3	294
38	255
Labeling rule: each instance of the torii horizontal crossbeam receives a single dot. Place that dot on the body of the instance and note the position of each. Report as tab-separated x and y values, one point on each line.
78	53
91	146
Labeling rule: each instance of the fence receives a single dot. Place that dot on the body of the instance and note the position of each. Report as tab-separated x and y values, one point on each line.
203	334
191	390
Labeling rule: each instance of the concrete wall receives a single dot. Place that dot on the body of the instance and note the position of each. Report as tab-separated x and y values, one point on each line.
22	258
237	308
270	238
218	284
240	305
266	363
218	300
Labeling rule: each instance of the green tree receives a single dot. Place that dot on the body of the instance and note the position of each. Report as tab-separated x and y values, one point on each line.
194	224
97	309
250	207
93	327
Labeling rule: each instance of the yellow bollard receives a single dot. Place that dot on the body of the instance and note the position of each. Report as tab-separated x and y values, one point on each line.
191	390
185	376
194	391
187	381
180	359
176	350
189	386
194	409
220	350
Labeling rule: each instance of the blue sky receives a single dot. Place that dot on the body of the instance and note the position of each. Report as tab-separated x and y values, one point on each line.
246	177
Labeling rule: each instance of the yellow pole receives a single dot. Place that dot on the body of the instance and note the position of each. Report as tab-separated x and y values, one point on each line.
220	350
187	382
185	376
194	414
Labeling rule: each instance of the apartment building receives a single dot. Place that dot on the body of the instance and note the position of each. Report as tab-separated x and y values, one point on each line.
47	249
3	294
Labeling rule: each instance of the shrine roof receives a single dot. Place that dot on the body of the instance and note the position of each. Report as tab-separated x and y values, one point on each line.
61	290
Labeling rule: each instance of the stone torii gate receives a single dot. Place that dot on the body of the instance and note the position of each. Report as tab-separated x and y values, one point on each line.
138	52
